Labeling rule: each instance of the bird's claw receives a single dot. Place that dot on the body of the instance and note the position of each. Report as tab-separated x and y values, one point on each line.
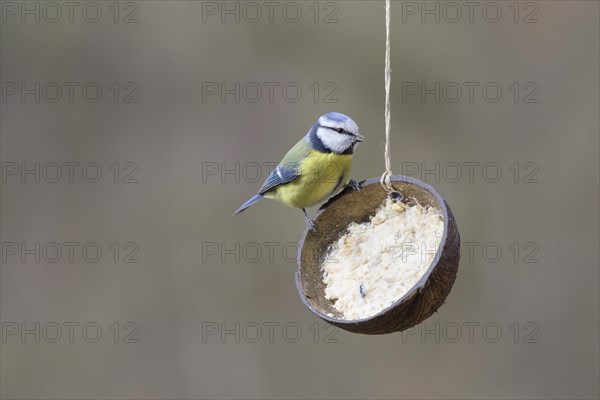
354	185
311	225
309	222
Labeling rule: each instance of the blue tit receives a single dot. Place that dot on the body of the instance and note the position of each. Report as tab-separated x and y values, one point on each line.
316	168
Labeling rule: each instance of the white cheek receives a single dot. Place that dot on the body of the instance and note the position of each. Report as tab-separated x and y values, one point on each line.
334	141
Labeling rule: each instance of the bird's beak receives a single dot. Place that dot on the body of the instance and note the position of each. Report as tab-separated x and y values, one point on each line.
358	137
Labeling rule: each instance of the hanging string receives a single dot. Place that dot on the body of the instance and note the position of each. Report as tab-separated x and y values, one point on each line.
385	178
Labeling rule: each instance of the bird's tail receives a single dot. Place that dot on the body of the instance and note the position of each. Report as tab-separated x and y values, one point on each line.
248	203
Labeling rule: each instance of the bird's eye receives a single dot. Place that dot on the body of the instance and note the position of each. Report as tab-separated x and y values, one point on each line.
340	130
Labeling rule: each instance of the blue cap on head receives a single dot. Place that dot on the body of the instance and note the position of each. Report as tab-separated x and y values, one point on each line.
336	116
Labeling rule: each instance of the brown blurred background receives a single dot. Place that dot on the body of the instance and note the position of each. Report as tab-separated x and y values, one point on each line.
211	301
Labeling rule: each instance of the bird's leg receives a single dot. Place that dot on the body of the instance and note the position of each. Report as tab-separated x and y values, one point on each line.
354	185
309	222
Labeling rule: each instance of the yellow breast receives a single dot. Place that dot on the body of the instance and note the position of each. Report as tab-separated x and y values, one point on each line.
321	174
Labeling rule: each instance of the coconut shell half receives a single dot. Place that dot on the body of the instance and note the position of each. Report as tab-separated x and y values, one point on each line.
358	206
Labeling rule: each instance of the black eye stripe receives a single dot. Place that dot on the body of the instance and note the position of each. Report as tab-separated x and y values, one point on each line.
343	132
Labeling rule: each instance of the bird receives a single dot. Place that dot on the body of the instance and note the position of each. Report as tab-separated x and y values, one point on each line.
316	168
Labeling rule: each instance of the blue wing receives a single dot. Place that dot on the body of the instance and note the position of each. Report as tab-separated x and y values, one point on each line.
288	169
280	176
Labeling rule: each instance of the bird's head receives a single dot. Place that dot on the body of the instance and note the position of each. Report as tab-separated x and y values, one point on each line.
337	132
